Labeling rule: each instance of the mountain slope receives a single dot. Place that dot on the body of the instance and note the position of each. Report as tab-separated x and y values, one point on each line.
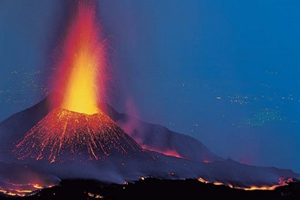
159	138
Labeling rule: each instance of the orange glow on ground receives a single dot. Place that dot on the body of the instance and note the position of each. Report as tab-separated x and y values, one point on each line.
22	190
206	161
260	188
79	82
169	152
281	182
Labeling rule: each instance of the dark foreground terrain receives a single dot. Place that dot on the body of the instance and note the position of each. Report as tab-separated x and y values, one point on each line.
156	189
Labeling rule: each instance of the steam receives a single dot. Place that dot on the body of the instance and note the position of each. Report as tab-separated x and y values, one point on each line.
160	139
131	125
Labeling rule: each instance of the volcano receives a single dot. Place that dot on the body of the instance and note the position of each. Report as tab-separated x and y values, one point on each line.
76	129
57	144
66	135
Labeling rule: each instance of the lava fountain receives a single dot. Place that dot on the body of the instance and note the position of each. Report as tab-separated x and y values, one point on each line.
79	81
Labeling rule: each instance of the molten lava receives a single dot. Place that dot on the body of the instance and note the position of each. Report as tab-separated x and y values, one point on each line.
281	182
81	72
22	190
167	152
66	135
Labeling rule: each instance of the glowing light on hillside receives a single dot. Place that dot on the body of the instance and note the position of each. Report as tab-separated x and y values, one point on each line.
281	182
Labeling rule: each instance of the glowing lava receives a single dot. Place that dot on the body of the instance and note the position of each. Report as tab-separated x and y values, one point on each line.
81	70
167	152
281	182
22	190
65	135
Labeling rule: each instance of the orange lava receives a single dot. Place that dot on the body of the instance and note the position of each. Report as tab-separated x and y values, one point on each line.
65	135
79	82
206	161
281	182
22	190
168	152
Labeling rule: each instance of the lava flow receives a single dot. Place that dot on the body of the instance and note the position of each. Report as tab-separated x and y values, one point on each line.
22	190
167	152
281	182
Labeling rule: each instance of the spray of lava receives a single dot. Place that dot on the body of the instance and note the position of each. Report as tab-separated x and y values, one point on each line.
79	82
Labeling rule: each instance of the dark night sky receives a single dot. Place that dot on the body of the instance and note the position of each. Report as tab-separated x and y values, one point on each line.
224	72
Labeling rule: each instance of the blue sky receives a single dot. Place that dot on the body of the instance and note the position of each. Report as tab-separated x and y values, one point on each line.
224	72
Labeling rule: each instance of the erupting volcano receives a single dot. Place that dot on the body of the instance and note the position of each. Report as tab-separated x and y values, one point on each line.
44	141
77	127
